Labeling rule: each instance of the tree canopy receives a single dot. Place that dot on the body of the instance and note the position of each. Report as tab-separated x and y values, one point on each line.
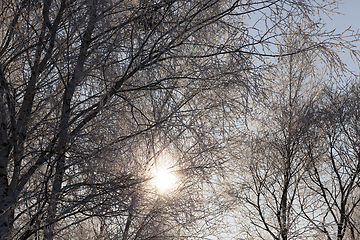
97	97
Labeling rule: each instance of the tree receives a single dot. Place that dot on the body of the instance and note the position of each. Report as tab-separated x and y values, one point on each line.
272	189
334	153
276	158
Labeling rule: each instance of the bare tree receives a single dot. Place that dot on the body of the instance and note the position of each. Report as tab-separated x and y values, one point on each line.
334	154
276	158
272	187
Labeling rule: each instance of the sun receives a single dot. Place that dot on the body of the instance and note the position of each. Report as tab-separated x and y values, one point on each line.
165	180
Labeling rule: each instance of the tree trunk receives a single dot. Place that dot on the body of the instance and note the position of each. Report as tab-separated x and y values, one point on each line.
6	205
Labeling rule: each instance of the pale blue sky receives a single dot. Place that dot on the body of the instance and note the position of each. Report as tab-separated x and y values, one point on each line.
350	16
350	10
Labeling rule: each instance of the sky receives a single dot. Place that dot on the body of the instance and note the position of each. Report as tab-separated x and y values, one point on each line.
350	16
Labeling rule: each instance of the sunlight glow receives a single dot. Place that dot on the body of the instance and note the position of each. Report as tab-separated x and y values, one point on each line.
165	181
164	174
